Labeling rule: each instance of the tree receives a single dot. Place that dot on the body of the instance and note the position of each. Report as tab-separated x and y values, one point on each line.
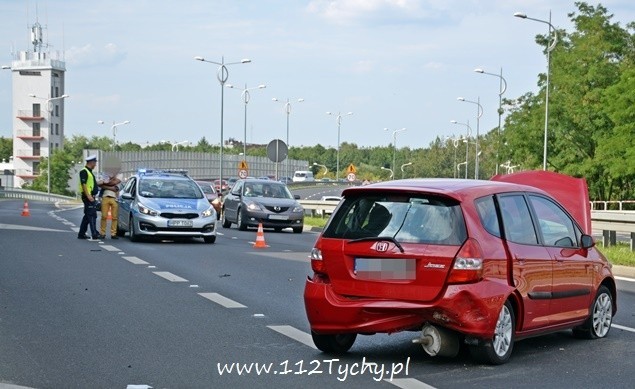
6	148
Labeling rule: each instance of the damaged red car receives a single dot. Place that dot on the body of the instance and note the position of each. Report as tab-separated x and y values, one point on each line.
461	262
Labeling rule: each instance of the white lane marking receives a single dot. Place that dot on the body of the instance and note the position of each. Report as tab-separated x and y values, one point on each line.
619	327
135	260
409	383
295	334
169	276
625	279
19	227
108	247
222	300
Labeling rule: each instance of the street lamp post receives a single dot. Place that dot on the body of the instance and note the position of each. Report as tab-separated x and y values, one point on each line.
245	96
403	166
390	170
114	130
222	74
326	170
458	167
549	49
48	136
455	143
479	113
502	87
287	107
467	146
394	146
339	123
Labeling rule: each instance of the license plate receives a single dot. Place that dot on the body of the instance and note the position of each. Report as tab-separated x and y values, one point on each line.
278	217
385	268
180	223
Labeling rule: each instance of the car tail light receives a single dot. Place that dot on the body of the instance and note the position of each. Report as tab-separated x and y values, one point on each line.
468	264
317	264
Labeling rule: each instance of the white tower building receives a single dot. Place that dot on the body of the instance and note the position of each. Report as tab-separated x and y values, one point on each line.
38	107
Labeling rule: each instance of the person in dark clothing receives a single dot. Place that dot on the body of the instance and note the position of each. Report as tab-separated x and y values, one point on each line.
89	189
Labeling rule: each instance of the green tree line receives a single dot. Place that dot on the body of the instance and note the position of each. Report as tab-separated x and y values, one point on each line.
591	127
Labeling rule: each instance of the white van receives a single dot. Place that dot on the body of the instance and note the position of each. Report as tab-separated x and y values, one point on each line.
303	175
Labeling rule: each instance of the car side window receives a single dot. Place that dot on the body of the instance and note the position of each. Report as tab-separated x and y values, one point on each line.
487	213
237	188
556	226
130	186
517	221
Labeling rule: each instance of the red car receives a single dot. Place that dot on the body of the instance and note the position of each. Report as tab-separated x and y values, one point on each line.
222	189
481	263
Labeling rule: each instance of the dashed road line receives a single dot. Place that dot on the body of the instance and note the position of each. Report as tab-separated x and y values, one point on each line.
108	247
409	383
135	260
169	276
222	300
295	334
619	327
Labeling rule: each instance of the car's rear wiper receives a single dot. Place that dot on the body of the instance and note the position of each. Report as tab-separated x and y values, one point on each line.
378	238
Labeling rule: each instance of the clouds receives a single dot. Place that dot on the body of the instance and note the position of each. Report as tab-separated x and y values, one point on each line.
368	11
90	56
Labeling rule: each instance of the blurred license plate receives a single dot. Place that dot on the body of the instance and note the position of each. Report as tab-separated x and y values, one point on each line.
180	223
385	268
278	217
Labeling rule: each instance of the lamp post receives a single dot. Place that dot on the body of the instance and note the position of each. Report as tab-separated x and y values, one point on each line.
114	130
394	146
287	107
458	167
175	145
479	113
390	170
455	142
403	166
502	87
49	111
467	136
339	123
221	75
245	96
326	170
549	49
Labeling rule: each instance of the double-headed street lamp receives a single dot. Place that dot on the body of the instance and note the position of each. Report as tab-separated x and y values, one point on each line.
245	96
114	130
403	166
390	170
339	123
326	170
479	113
502	88
222	74
467	146
49	111
455	142
394	147
550	47
287	107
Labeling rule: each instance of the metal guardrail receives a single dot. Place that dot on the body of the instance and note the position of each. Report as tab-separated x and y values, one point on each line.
612	222
318	207
605	205
34	195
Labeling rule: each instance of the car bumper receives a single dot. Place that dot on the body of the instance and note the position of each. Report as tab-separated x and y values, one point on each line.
268	220
158	226
468	309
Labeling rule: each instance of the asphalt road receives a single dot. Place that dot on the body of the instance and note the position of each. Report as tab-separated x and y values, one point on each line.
112	313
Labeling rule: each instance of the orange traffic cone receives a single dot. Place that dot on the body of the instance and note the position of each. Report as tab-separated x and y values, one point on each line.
260	238
25	209
109	217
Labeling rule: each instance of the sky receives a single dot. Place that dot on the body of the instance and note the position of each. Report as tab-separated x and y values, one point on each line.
393	63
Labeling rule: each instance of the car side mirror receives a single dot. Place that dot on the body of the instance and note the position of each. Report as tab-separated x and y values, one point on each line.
587	241
127	196
297	197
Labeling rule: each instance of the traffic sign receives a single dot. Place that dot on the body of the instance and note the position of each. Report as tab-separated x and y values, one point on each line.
242	173
351	169
243	165
350	177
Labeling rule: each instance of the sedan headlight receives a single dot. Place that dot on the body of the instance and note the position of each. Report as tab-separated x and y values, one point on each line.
254	207
147	211
209	212
298	208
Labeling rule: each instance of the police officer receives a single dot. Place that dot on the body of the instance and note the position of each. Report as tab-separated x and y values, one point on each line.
89	189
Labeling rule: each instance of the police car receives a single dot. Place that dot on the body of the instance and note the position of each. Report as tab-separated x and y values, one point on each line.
162	203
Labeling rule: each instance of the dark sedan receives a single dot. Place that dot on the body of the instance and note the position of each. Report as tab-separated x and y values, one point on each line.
253	201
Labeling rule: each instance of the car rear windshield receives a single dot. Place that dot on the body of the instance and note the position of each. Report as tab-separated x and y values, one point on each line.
405	218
